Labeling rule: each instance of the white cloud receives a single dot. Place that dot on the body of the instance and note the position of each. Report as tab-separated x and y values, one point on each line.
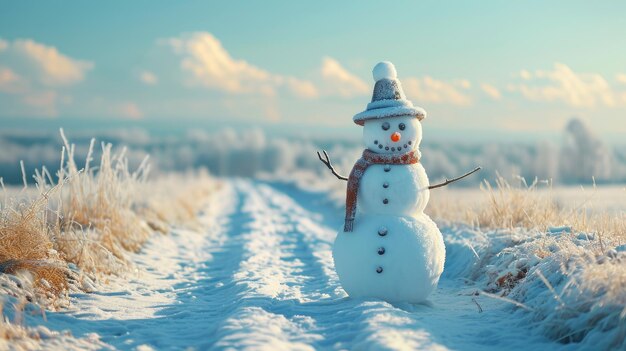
54	67
564	85
208	64
621	77
491	91
525	75
298	87
340	81
148	78
35	73
431	90
10	82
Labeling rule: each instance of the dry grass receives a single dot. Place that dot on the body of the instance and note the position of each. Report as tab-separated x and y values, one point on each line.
92	217
177	201
96	217
26	245
530	206
565	270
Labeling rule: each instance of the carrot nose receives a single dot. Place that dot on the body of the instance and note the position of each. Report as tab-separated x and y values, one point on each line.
395	137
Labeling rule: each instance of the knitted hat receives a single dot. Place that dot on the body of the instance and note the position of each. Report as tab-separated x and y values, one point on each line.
388	99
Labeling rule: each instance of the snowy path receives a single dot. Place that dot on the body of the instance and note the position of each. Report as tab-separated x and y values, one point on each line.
261	274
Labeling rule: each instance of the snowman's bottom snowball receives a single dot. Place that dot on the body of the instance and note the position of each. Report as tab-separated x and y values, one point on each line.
410	265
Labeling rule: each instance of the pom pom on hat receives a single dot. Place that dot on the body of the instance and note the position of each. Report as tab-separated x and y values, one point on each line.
383	70
388	99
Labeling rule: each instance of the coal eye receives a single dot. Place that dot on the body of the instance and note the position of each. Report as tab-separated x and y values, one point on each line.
385	126
401	126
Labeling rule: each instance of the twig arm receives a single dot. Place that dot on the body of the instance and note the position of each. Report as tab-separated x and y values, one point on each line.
326	161
448	181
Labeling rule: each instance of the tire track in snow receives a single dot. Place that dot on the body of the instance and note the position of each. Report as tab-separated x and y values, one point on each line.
151	305
262	276
267	276
451	319
309	290
343	322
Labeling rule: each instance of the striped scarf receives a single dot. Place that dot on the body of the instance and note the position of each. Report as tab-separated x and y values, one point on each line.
370	158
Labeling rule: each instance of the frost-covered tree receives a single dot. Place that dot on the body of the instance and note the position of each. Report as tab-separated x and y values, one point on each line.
583	155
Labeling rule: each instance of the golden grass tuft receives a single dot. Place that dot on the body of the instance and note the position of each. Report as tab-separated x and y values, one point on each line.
103	201
178	200
92	217
533	207
571	243
24	233
26	245
509	207
48	275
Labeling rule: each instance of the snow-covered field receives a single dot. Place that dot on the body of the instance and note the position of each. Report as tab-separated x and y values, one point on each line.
259	275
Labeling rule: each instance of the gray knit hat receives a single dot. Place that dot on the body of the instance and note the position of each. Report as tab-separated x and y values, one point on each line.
388	99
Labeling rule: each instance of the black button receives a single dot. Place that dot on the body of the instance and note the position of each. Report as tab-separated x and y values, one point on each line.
387	168
387	148
385	185
382	231
385	201
380	146
381	250
379	270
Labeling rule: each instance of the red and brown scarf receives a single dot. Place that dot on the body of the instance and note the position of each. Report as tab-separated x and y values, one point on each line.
370	158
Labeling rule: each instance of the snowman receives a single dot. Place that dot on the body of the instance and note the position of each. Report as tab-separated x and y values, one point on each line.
388	248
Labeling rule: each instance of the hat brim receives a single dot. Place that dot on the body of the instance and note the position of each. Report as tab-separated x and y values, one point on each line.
386	112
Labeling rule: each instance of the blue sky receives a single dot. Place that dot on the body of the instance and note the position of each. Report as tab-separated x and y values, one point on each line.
505	68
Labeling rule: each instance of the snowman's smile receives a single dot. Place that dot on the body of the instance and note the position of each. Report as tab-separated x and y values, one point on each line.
394	147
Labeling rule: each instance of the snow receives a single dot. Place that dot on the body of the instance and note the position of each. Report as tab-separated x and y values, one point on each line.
394	111
404	262
410	264
260	275
379	140
384	70
407	190
388	98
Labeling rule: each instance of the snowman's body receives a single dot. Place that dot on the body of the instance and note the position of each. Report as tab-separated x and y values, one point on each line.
404	186
411	255
397	238
394	252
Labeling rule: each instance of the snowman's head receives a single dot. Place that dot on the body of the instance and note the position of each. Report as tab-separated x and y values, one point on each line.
392	135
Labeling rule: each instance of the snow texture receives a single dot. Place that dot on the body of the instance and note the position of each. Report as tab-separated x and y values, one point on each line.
259	275
388	99
379	140
395	251
395	111
384	70
407	185
407	191
397	259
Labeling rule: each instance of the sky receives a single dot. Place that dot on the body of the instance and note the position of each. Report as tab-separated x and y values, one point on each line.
499	70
